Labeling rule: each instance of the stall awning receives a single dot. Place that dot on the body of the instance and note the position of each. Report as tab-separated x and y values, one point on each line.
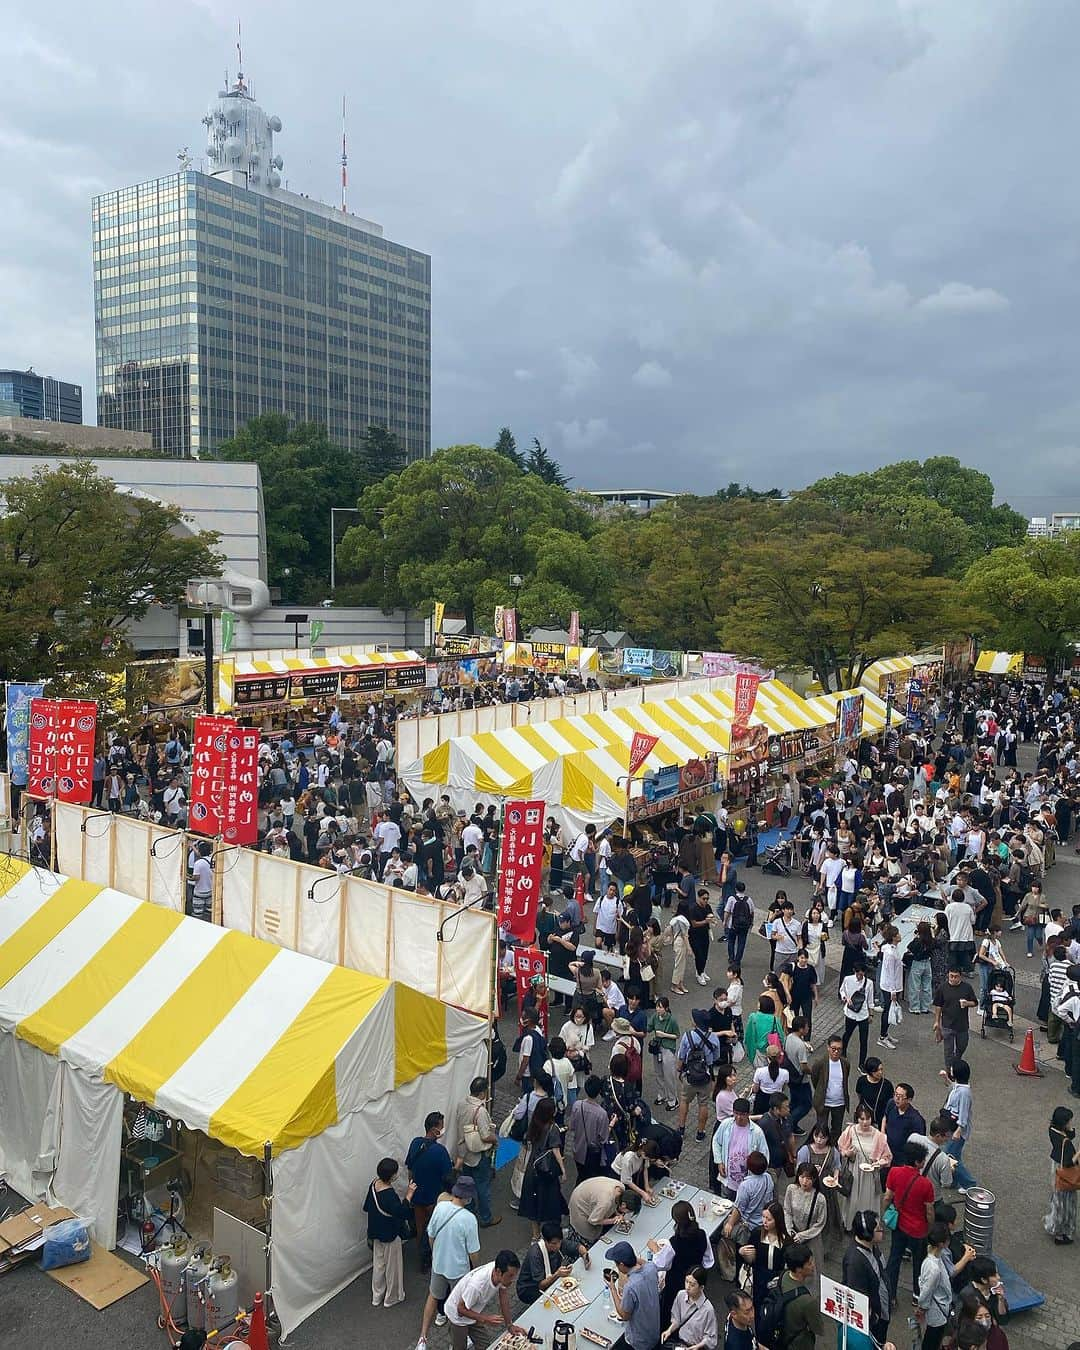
892	667
776	706
234	1036
244	684
873	710
1000	663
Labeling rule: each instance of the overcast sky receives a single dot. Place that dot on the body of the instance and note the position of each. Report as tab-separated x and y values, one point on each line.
682	242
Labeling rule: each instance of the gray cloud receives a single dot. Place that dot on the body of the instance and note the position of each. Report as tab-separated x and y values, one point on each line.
683	243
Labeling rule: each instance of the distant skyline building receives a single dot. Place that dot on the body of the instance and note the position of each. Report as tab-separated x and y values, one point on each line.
25	393
1047	527
219	296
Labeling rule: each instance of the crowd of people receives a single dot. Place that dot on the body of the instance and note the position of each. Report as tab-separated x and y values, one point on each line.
826	1157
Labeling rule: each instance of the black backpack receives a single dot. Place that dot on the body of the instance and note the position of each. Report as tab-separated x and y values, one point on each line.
498	1057
742	915
696	1070
769	1322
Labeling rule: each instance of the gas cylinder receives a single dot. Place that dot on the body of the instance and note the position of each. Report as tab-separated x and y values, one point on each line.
222	1296
173	1260
195	1284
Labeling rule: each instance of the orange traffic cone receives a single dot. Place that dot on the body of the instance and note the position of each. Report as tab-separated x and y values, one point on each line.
1027	1065
257	1331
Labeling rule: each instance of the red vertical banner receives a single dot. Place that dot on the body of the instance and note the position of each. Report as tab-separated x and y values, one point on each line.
60	758
746	687
520	860
529	962
209	767
574	633
510	625
242	797
641	747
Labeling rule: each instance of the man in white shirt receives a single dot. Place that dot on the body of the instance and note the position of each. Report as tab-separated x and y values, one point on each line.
472	836
960	917
857	997
388	833
831	871
203	876
173	801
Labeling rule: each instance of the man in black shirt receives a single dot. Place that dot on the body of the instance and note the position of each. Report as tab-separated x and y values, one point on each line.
722	1022
804	988
952	1003
776	1127
874	1088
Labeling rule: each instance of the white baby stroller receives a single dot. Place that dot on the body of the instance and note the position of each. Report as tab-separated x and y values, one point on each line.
778	858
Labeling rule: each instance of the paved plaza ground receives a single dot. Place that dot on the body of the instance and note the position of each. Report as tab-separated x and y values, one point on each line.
1008	1153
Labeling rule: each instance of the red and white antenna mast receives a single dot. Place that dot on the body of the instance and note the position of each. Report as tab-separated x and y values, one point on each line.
344	157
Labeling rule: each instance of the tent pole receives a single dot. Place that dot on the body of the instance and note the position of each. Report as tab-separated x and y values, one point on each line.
268	1204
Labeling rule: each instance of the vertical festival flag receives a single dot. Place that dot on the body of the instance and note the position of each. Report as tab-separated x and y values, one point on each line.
574	633
641	747
437	617
746	687
18	728
510	625
242	795
228	630
529	962
500	621
209	760
315	632
60	759
520	861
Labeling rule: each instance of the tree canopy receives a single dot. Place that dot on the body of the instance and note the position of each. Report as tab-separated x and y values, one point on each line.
304	474
1030	596
79	560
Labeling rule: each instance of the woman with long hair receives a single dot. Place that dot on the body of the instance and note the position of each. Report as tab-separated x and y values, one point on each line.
541	1193
685	1249
1060	1222
865	1149
806	1211
764	1250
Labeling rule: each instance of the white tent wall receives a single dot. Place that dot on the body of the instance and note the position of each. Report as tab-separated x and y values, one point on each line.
319	1188
62	1134
115	850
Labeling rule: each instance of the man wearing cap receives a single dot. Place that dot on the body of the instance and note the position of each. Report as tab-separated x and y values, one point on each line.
637	1302
455	1245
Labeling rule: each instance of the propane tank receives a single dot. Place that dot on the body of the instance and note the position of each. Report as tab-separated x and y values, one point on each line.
173	1260
195	1285
222	1295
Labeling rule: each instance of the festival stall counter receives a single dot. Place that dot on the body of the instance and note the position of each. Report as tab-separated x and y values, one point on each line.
253	686
268	1052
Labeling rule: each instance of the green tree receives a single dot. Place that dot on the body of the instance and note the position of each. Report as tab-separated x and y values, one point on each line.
303	476
79	560
506	445
1030	596
734	491
938	507
547	469
455	528
823	594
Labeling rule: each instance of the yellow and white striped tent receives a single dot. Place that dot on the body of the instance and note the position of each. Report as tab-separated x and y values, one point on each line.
575	764
103	994
229	671
897	668
1000	663
873	710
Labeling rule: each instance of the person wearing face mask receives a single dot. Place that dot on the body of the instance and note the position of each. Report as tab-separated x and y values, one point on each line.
986	1283
1060	1222
428	1162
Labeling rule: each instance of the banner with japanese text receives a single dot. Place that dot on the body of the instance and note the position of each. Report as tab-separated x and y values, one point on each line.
60	759
510	625
242	787
641	747
528	963
437	617
746	687
520	860
18	728
574	632
209	758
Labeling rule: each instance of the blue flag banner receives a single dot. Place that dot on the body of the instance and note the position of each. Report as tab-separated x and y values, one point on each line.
18	728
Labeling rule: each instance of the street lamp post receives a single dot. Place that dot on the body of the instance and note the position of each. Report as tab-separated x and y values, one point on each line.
337	510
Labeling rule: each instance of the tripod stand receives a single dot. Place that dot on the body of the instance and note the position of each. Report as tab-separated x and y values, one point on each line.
171	1221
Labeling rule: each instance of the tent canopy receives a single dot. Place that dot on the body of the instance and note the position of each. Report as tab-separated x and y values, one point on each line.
873	709
244	1040
895	666
576	763
229	671
1000	663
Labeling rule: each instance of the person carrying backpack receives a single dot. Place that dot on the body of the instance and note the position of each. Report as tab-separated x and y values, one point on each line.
738	920
699	1052
789	1317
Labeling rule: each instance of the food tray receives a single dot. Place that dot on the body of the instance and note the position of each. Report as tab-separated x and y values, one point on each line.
624	1226
652	1201
587	1334
513	1340
671	1189
568	1300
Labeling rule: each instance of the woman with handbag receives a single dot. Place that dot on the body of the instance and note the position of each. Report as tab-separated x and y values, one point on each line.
1065	1173
387	1216
686	1249
762	1255
762	1028
579	1038
663	1042
545	1170
822	1154
1033	914
806	1212
692	1318
865	1155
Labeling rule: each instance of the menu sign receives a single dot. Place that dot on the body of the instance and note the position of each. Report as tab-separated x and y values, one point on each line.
261	689
315	684
406	677
370	681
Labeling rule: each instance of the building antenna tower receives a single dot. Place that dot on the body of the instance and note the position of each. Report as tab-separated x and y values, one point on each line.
344	157
239	55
